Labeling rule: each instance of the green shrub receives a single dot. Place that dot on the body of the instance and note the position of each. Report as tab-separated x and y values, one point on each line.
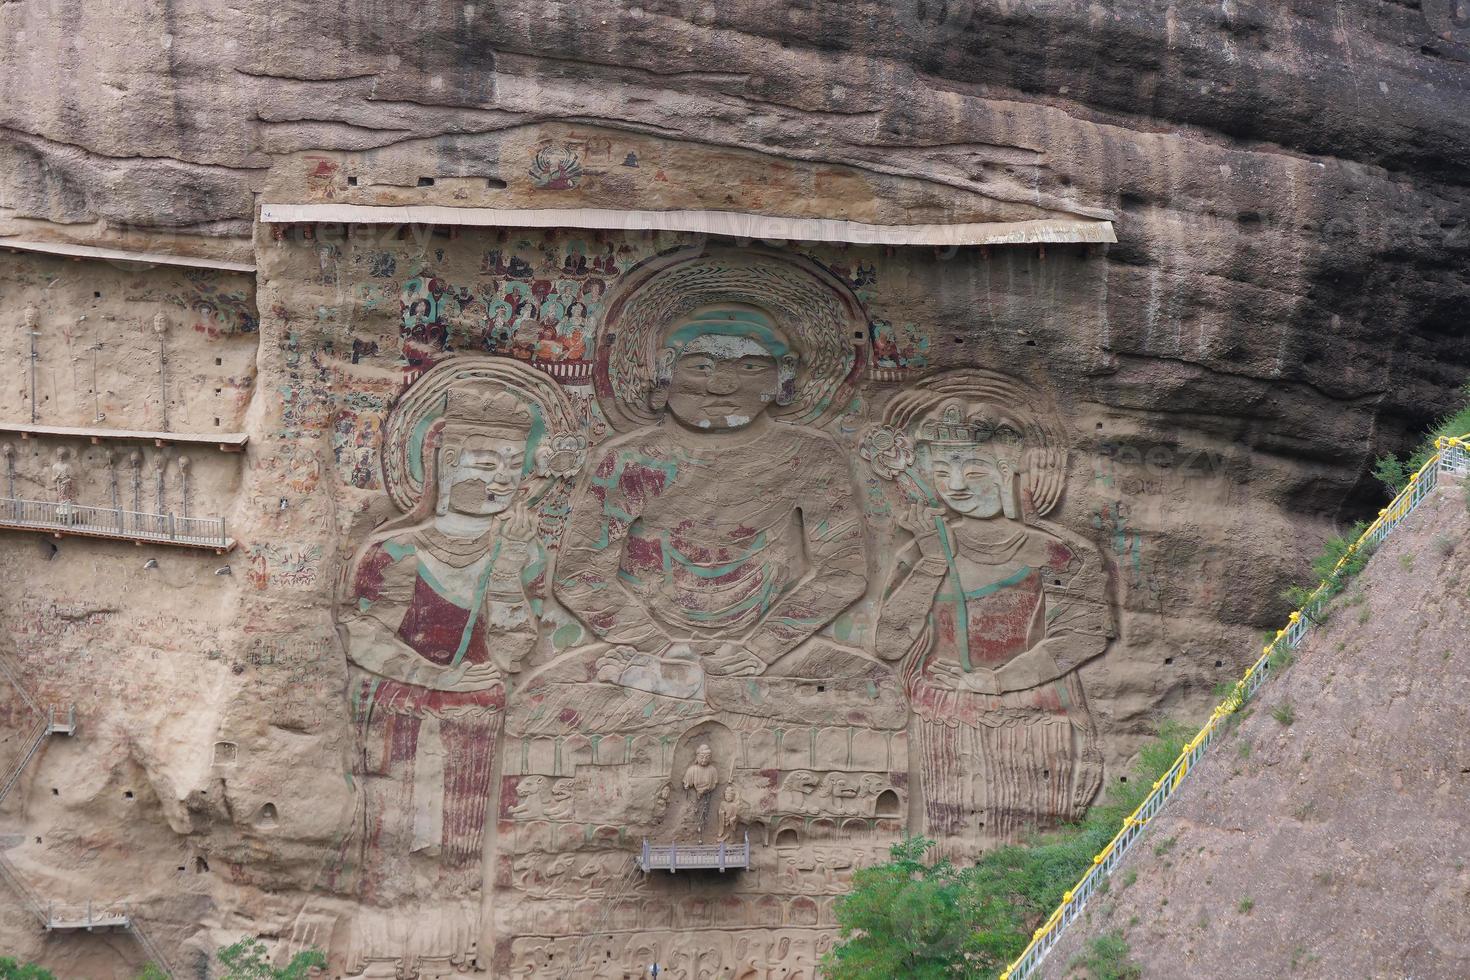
912	919
11	969
1106	958
1284	713
246	960
1281	658
1394	473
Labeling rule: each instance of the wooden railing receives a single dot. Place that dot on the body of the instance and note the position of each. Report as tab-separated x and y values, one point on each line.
695	857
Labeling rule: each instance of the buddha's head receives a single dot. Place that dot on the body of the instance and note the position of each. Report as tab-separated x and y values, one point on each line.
722	365
703	755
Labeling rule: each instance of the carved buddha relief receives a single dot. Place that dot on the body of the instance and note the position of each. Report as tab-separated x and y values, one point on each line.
991	608
707	550
718	534
441	606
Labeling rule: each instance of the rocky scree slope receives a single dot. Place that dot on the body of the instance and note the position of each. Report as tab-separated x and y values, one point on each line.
1326	837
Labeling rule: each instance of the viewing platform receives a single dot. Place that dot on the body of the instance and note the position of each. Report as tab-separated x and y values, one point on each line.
62	518
720	857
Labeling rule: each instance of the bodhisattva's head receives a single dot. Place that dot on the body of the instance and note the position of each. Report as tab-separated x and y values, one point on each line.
482	458
723	366
972	455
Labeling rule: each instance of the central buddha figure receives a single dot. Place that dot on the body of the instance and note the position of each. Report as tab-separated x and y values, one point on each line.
718	538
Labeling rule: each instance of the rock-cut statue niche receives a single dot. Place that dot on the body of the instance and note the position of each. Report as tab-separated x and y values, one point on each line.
993	608
441	605
717	537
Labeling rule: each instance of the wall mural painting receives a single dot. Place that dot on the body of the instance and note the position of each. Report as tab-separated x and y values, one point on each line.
531	301
542	680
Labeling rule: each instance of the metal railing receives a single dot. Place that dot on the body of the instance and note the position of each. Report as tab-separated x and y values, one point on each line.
71	518
34	738
616	893
150	949
1453	456
28	898
53	916
88	916
695	857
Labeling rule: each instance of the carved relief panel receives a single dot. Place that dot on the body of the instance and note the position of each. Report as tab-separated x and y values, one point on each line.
772	599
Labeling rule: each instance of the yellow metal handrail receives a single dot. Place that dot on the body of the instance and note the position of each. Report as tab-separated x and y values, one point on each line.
1452	454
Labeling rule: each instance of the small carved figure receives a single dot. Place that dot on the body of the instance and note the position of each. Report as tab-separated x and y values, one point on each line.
729	816
661	802
531	798
796	793
560	807
63	481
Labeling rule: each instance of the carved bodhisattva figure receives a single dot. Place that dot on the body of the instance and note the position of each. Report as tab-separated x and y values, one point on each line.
441	606
729	816
995	609
717	539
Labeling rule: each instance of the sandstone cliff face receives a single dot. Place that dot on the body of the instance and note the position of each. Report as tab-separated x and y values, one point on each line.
1286	300
1288	179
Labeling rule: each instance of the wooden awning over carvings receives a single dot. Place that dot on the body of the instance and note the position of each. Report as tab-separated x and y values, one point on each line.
732	224
75	251
230	442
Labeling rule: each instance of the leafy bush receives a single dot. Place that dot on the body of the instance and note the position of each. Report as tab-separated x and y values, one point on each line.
246	960
1394	473
11	969
1106	958
908	918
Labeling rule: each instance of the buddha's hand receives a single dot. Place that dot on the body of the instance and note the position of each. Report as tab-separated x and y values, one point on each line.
520	523
981	680
931	537
732	660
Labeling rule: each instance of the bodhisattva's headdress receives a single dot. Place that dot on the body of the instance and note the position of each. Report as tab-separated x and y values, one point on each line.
975	410
475	395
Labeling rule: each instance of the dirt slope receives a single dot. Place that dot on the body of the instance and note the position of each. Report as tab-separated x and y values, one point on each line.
1335	844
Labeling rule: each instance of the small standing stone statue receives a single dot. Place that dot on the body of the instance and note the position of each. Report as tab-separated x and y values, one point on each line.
63	481
729	816
700	780
661	802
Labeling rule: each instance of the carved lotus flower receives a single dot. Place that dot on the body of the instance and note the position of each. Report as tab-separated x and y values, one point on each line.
561	456
887	450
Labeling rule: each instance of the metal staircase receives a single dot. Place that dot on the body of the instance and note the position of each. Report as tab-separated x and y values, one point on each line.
52	916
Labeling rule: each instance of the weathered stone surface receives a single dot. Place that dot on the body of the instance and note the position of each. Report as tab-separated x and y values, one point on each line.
326	746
